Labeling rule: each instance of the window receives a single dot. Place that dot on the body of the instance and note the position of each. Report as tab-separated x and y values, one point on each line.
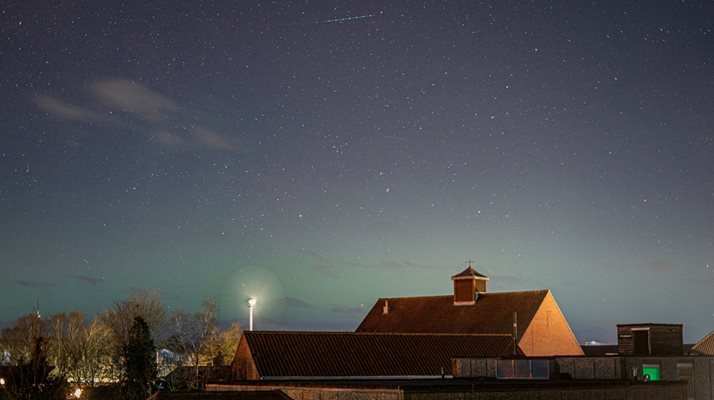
523	369
641	342
650	372
685	372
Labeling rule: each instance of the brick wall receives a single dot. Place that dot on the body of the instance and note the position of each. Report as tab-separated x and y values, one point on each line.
549	333
563	391
243	365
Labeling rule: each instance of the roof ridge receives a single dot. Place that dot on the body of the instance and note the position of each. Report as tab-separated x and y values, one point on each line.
451	295
703	340
374	333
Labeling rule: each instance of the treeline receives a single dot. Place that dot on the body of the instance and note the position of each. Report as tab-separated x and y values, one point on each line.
135	337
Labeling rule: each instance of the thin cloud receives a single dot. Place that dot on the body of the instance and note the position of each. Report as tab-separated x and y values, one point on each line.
313	254
128	104
62	109
325	270
92	280
292	302
321	264
349	311
406	265
34	284
658	266
131	97
169	139
213	139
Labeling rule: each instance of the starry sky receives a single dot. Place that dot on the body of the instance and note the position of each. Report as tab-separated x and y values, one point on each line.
321	154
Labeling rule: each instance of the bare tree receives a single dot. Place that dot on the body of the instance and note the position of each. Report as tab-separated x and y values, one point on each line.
19	341
193	334
65	332
224	345
120	318
79	350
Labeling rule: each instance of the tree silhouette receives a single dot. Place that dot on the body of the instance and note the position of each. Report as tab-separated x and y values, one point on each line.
140	365
30	379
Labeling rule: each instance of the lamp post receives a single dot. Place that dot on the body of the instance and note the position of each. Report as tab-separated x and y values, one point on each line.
251	304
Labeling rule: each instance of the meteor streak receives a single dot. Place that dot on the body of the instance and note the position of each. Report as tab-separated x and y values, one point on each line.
344	19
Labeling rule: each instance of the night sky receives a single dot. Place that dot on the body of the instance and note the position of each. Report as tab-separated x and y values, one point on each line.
322	154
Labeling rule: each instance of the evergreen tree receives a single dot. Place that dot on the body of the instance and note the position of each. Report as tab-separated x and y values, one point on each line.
140	365
31	380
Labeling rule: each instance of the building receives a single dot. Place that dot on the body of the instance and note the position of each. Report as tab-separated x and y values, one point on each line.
532	317
350	355
705	346
647	353
649	339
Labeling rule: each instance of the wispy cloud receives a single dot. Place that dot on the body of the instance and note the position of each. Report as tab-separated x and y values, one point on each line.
129	104
213	139
131	97
292	302
313	254
63	109
348	311
92	280
169	139
34	284
321	264
405	265
658	266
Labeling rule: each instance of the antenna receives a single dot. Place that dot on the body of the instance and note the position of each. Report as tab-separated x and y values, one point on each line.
515	333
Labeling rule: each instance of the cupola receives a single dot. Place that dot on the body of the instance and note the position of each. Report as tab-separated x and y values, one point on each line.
467	284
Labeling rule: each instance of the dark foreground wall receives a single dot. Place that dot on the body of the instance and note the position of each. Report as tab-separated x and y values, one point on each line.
476	390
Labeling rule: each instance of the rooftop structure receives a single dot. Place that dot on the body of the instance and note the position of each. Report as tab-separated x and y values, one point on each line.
533	318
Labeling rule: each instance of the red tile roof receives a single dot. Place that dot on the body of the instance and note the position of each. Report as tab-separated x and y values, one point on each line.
349	354
492	314
468	273
706	345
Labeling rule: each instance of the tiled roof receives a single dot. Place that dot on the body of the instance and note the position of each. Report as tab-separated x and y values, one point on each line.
349	354
706	345
232	395
469	272
492	314
599	350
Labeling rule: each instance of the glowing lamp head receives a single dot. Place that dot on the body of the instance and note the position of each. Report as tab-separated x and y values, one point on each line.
252	301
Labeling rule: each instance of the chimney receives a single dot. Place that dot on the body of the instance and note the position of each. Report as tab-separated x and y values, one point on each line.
385	309
467	284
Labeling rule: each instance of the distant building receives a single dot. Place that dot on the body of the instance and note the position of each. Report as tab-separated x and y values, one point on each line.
532	317
649	339
705	346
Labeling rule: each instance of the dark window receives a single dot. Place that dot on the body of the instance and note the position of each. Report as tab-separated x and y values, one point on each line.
641	341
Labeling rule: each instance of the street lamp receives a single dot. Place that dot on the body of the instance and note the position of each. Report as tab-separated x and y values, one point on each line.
251	304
